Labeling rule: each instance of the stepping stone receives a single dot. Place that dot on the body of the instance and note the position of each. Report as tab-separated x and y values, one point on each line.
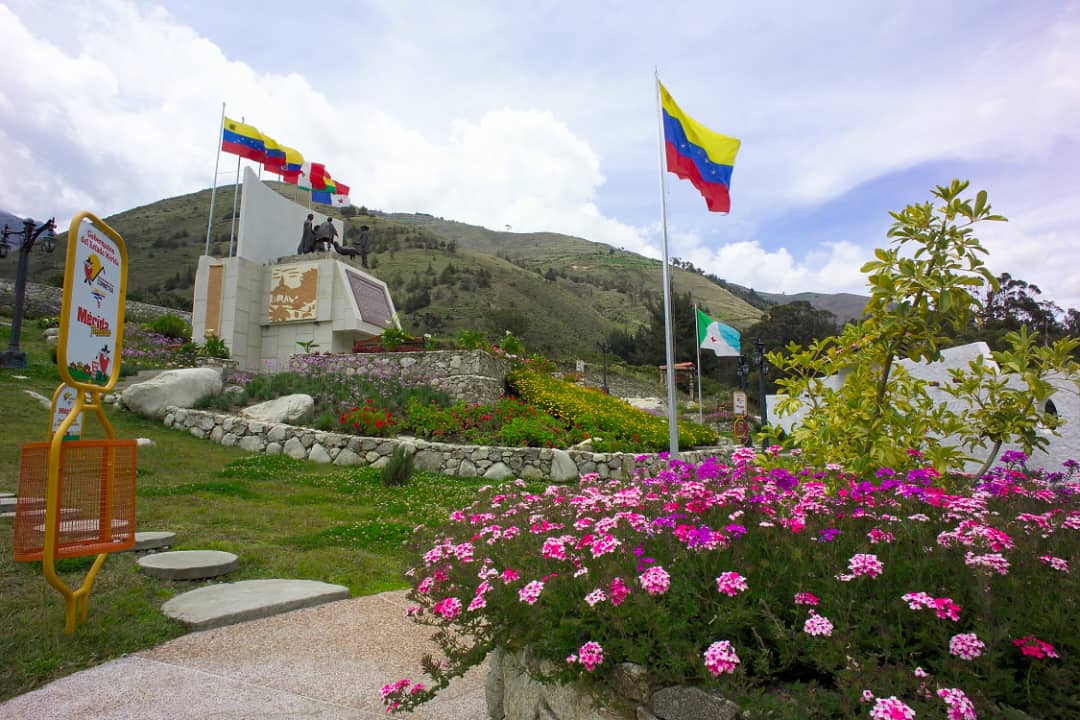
7	495
216	605
8	503
188	564
152	541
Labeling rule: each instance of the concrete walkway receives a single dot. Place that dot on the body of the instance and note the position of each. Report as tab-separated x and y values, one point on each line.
327	662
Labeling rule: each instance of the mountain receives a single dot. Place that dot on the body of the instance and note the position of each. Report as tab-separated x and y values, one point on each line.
562	295
845	306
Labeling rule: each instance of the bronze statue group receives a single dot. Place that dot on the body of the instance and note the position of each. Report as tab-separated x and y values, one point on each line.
321	237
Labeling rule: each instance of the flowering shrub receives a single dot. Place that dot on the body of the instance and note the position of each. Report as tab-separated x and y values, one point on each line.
510	422
770	589
368	419
614	424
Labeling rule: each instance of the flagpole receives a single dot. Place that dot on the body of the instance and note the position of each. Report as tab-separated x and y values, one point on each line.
669	343
213	184
236	193
697	336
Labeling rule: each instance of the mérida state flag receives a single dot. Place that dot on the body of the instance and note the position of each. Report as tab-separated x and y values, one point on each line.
716	336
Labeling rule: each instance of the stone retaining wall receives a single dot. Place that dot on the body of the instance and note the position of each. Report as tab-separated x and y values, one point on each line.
45	300
512	693
493	463
473	376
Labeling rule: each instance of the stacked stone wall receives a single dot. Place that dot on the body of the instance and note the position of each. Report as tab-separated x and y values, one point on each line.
491	462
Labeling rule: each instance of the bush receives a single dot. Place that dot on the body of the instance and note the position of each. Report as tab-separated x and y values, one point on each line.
760	585
369	419
214	347
171	326
618	425
399	468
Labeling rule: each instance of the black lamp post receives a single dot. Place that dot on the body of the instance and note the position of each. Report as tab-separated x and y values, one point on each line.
14	357
743	372
762	366
604	350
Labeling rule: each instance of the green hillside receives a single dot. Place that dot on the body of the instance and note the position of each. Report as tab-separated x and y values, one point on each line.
562	295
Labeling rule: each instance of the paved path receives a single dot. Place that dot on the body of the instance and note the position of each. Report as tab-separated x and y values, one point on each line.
326	663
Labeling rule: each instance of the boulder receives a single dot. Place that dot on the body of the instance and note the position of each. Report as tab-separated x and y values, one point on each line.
179	388
563	467
285	409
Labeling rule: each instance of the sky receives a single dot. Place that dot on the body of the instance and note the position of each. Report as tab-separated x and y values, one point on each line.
542	116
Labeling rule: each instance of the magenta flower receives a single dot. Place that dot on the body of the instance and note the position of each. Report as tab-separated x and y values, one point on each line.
509	575
730	583
805	598
865	564
604	545
1034	647
618	591
591	654
966	646
531	592
721	658
448	608
478	603
891	708
655	580
817	625
959	705
1055	562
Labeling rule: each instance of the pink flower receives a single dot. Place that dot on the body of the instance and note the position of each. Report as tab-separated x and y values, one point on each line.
596	596
479	602
891	708
721	658
509	575
618	591
805	598
590	655
655	580
1055	562
867	696
966	646
730	583
448	608
1034	647
877	535
865	564
959	705
946	608
992	561
531	592
554	548
604	545
918	601
818	625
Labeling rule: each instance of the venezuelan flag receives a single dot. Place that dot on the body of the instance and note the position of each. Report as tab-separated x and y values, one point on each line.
697	154
243	140
275	156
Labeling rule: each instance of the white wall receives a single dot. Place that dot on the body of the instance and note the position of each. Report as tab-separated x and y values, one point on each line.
1064	446
270	225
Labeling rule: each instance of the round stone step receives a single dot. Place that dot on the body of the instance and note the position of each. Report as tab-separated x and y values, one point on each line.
152	540
227	603
188	564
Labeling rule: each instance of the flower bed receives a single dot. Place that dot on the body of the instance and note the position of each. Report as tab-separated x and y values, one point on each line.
808	594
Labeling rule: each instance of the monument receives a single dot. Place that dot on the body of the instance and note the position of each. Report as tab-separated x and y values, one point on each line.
268	303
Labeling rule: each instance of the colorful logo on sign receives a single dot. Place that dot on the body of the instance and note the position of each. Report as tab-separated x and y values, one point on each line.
92	267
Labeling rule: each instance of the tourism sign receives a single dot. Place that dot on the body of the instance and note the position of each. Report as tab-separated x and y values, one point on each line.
62	402
92	314
739	403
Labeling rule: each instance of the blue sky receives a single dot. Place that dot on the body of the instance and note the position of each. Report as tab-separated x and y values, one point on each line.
542	116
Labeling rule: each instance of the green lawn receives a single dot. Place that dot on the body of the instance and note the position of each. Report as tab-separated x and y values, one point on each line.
283	518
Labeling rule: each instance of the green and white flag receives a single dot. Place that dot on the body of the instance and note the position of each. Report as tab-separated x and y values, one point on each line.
716	336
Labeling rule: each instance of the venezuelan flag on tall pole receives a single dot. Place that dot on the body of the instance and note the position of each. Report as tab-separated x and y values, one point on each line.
695	153
705	158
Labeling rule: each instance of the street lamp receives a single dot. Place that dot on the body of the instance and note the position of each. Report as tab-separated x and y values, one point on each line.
604	350
14	357
762	366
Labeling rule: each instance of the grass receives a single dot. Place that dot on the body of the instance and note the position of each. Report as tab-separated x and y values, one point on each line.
282	517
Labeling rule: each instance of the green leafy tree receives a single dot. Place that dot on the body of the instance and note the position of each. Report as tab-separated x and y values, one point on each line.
864	409
796	322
